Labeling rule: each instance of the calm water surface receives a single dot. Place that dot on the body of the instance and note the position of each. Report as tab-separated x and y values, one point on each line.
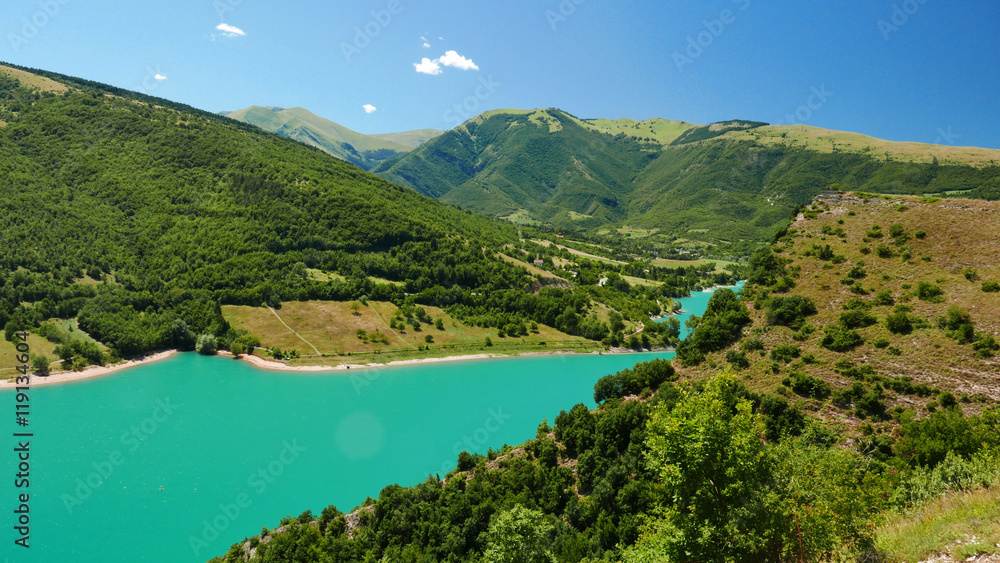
176	460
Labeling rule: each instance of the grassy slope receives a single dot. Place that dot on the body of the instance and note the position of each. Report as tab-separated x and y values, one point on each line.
826	140
959	524
306	127
332	328
961	234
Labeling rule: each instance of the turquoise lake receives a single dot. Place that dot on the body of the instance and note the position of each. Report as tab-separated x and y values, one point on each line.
176	460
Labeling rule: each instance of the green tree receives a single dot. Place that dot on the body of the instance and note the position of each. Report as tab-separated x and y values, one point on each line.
206	344
40	364
519	535
715	468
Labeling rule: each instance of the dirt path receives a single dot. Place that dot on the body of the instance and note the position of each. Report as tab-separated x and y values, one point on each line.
318	353
389	328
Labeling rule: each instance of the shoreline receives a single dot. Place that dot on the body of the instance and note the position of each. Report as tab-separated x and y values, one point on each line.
91	372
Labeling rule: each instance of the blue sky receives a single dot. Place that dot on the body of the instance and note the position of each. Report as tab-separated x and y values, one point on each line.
904	70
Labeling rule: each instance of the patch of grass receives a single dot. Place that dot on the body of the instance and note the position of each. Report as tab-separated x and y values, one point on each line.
333	328
959	524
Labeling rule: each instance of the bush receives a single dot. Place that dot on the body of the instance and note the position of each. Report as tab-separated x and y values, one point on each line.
929	292
884	298
990	287
809	386
789	311
206	344
737	359
840	339
921	234
884	251
857	319
785	353
899	323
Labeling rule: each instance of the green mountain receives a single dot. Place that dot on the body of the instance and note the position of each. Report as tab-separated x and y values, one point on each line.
671	183
139	217
542	166
364	151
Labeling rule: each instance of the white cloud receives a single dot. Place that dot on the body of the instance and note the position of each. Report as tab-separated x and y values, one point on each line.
450	58
369	108
453	59
159	76
427	66
426	44
230	30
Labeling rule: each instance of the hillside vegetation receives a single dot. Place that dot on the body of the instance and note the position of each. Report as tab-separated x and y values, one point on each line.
139	219
726	185
807	423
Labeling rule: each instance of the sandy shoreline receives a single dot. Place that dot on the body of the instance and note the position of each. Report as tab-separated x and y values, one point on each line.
261	363
90	372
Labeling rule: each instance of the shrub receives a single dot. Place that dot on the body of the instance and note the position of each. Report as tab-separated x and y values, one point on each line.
920	234
737	359
857	319
991	287
884	298
884	251
809	386
789	311
971	274
899	323
881	343
929	292
206	344
985	346
840	339
785	353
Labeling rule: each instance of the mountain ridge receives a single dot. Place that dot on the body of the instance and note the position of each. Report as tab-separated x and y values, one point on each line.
300	124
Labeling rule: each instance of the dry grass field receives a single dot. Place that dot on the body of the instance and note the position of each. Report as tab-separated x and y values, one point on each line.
332	328
958	252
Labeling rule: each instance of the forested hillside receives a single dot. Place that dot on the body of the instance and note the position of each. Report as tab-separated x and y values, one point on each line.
139	218
543	165
729	184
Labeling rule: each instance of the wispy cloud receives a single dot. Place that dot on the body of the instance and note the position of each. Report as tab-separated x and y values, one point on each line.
426	44
369	108
450	58
159	76
230	30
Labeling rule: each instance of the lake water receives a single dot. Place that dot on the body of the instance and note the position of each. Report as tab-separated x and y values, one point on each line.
176	460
